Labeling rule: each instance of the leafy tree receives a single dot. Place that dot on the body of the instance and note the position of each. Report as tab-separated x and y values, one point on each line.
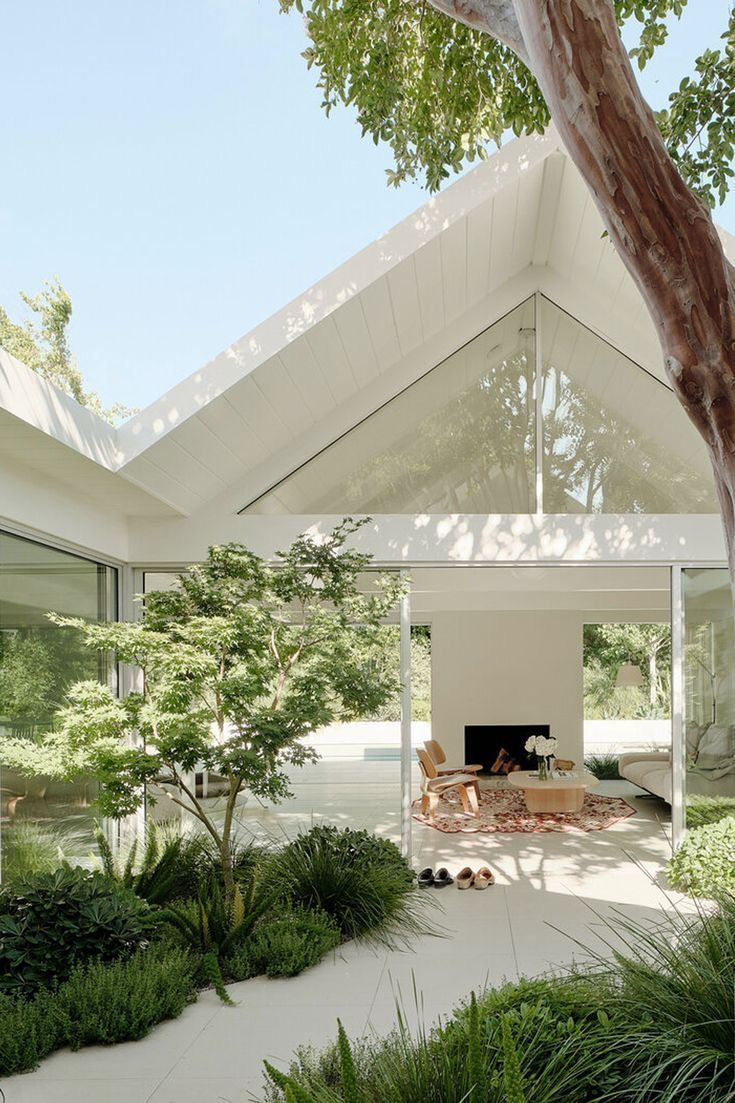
241	660
437	81
43	345
606	647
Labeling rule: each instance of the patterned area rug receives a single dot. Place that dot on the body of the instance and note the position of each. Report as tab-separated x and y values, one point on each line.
504	810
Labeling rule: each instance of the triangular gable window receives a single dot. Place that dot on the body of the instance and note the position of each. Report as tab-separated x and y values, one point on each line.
462	438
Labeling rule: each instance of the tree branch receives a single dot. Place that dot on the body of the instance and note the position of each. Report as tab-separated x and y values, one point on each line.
496	18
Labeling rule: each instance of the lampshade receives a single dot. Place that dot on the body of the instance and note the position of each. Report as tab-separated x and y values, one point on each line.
629	675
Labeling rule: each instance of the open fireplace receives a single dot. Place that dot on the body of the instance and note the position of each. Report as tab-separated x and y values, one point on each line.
501	747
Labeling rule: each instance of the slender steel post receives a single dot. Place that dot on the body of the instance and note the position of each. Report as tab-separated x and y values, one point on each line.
678	742
405	674
538	402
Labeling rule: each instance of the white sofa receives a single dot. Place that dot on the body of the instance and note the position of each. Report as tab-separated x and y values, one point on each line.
650	770
710	764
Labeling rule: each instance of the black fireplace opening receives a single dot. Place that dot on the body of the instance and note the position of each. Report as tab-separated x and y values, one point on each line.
500	748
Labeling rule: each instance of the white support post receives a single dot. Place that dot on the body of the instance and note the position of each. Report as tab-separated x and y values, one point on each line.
538	402
678	742
405	661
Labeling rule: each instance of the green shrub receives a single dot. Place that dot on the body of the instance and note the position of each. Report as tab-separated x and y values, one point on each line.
52	922
30	848
704	864
548	1040
603	766
122	1002
98	1004
29	1031
284	945
702	810
360	880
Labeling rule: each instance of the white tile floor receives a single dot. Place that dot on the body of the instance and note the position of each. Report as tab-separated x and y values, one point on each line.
552	889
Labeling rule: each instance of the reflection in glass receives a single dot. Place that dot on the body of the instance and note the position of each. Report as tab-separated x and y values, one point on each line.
709	691
616	439
460	439
38	661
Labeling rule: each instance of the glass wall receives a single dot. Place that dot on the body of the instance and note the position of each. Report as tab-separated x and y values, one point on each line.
462	439
355	780
38	661
709	690
616	440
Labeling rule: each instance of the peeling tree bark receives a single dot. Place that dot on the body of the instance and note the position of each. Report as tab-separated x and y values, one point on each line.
663	232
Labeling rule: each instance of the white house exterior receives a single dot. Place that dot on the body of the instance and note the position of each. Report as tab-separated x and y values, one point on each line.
483	381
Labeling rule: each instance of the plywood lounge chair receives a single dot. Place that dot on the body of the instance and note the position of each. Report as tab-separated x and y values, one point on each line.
433	787
435	752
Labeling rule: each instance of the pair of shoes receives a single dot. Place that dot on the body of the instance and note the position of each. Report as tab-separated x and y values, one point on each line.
466	879
439	879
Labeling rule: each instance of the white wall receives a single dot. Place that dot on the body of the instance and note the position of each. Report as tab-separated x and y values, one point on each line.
507	668
523	667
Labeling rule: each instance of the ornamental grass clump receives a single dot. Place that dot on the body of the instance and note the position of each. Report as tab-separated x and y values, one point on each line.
358	879
673	994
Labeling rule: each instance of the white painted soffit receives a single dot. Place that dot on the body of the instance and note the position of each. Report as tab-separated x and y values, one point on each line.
429	222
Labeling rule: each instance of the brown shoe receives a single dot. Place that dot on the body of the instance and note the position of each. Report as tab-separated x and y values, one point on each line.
484	877
465	878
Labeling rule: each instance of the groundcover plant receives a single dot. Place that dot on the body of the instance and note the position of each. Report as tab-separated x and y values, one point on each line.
653	1023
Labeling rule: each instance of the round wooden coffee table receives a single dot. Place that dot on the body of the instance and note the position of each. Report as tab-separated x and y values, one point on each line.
559	794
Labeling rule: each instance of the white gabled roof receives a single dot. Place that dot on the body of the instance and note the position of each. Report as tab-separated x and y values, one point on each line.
521	220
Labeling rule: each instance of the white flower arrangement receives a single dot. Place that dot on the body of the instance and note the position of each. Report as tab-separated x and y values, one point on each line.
541	745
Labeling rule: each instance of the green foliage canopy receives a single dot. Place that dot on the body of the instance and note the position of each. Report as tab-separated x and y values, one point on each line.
437	92
43	346
241	660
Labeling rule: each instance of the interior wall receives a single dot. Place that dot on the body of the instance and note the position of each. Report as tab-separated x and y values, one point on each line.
507	668
513	667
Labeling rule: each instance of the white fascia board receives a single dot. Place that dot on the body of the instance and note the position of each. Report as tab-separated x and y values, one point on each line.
347	281
40	404
455	539
49	511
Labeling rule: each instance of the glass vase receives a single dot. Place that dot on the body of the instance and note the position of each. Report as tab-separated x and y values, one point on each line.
543	772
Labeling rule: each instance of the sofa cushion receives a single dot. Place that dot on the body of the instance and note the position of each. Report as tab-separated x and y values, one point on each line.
716	746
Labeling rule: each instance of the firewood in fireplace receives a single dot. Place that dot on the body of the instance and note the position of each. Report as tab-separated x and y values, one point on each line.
505	763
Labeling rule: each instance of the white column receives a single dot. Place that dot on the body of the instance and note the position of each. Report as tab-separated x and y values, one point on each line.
406	754
678	741
538	401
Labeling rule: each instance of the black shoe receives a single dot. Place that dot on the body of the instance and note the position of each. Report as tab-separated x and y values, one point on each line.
442	877
426	878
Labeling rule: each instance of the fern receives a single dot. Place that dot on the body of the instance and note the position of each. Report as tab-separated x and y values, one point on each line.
348	1073
213	973
512	1074
292	1090
475	1064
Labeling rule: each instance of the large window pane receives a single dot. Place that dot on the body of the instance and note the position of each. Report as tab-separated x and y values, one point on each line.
709	692
616	439
460	439
38	661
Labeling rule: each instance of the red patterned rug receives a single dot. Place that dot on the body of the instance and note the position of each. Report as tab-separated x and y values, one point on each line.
504	810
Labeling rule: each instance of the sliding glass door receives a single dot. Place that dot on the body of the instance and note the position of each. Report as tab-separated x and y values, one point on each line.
41	817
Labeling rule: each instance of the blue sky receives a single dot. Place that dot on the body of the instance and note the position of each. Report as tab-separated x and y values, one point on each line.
170	162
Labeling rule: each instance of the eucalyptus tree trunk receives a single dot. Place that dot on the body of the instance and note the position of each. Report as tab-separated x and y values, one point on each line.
662	231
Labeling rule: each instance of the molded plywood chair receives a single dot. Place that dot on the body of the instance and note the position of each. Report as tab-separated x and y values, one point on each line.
435	752
433	787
